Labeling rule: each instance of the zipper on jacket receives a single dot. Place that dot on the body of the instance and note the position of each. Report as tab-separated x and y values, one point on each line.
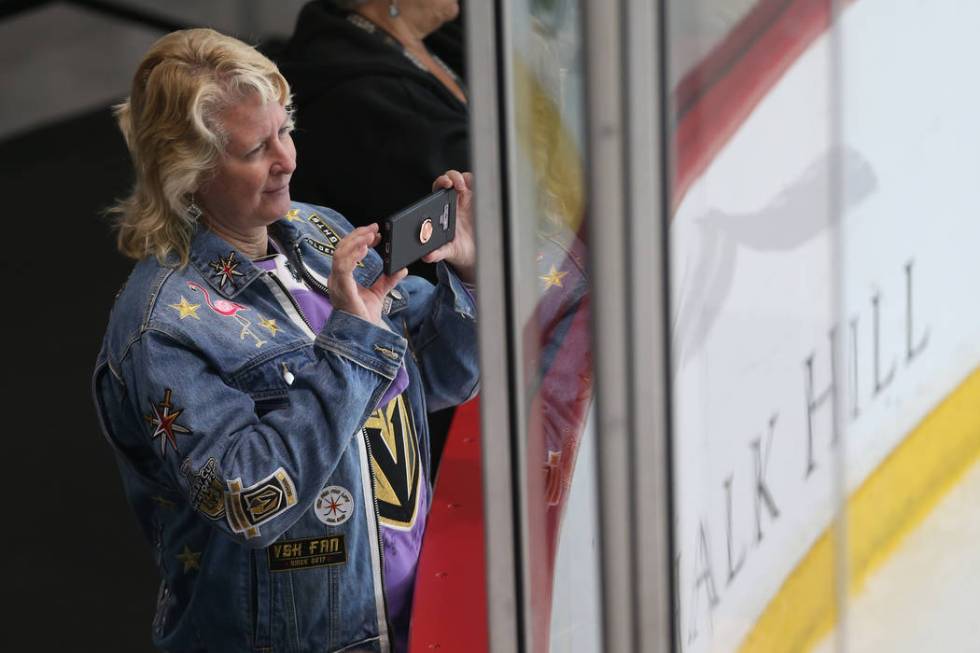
425	411
307	277
377	526
292	300
311	280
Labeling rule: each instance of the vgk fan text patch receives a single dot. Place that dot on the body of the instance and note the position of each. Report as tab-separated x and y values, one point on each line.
290	555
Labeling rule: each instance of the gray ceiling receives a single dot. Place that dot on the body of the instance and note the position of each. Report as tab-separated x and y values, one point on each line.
60	59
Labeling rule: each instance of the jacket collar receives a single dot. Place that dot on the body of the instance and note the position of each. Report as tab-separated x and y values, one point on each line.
229	271
225	268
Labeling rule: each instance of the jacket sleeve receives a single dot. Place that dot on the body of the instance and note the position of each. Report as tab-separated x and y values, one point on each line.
441	326
253	477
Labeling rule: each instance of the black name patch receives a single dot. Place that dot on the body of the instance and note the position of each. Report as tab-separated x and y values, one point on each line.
290	555
328	232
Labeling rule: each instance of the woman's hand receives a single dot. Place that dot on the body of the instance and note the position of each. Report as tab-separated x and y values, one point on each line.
348	295
460	252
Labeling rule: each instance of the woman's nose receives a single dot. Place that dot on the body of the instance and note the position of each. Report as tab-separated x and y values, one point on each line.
285	161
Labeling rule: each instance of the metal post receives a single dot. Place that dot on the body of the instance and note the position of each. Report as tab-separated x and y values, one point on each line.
626	188
499	422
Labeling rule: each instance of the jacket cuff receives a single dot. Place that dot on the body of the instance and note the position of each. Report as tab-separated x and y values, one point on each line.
463	302
369	345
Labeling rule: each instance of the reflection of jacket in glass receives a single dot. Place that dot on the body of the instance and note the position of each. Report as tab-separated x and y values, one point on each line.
240	438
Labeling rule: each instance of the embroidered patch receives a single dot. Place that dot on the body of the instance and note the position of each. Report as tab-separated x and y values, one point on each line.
269	325
333	238
334	506
292	215
186	309
249	507
289	555
225	269
395	459
206	490
163	419
323	248
191	559
228	308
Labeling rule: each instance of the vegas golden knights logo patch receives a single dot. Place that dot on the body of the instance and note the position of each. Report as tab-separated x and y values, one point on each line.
247	507
395	459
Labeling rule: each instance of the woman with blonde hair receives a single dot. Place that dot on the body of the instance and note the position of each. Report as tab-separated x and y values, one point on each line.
253	381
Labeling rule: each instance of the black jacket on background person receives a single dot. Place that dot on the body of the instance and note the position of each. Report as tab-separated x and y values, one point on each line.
373	129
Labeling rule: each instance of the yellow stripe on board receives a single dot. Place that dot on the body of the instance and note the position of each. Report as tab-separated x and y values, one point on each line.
890	504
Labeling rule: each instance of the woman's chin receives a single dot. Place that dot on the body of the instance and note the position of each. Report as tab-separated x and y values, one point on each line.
277	204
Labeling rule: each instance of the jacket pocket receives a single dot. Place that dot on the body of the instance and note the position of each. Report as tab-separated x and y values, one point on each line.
261	600
269	404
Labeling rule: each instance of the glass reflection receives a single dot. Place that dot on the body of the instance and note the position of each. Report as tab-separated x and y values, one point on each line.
554	304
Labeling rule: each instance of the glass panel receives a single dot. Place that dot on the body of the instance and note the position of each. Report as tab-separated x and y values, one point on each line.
698	28
548	232
757	330
909	164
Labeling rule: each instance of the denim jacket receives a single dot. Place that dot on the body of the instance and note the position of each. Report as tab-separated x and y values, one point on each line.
240	436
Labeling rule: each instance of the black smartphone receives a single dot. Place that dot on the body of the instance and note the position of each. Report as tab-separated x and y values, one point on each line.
418	229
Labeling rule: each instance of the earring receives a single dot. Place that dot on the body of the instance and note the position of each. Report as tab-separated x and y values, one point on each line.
393	9
193	211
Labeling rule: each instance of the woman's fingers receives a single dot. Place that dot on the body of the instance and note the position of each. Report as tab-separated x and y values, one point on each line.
345	293
452	179
439	254
385	282
353	248
442	181
460	252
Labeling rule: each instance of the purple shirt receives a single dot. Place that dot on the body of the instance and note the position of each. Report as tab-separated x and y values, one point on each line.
403	542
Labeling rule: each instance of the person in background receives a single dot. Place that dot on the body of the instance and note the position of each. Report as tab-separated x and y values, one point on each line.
253	381
379	113
393	113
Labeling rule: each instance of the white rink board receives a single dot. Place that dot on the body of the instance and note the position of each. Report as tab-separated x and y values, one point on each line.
762	272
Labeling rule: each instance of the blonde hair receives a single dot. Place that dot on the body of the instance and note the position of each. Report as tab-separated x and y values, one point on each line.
170	123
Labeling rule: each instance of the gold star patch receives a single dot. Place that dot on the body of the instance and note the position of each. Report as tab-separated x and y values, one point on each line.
553	278
293	215
186	309
269	324
190	559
